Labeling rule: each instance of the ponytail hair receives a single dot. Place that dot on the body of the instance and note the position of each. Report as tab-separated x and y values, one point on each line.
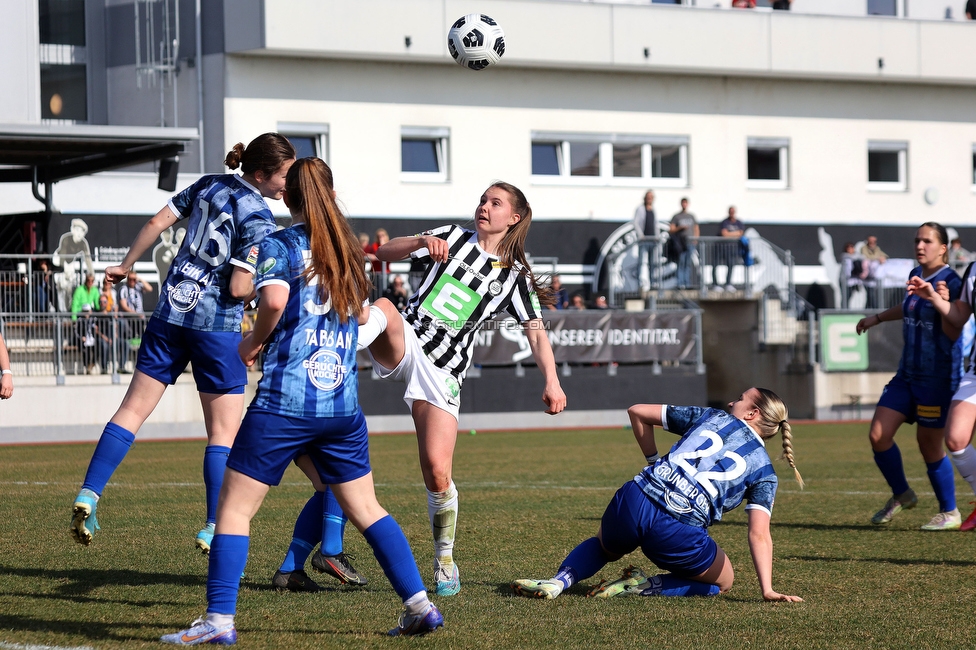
337	261
266	153
512	247
773	416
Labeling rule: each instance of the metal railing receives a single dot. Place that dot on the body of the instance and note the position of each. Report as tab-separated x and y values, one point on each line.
709	266
58	344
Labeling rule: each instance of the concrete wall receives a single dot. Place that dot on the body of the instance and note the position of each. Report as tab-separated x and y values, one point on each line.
20	74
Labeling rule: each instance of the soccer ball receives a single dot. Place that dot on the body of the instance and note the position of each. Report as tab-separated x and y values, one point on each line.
476	41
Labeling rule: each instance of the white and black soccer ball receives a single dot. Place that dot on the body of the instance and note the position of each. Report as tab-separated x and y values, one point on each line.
476	41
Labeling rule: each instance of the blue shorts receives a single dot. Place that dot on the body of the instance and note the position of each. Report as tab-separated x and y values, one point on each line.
633	520
267	442
167	348
927	405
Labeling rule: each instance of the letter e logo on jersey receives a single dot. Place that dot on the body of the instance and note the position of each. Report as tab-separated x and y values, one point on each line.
450	302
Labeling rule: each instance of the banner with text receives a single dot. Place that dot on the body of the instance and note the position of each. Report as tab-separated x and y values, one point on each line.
594	336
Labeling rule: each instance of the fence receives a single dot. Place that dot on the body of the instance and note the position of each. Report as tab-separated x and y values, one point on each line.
58	345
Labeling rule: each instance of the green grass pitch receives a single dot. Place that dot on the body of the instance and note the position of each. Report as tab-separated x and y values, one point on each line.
526	499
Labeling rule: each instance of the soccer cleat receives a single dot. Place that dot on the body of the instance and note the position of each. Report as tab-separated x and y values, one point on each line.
547	589
415	625
450	586
205	538
970	522
951	520
339	567
631	583
905	501
201	632
297	581
83	520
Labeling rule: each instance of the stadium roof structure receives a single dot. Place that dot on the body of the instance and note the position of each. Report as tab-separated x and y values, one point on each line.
48	153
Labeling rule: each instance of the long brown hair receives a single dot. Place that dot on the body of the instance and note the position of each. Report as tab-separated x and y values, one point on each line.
337	257
265	153
773	416
512	247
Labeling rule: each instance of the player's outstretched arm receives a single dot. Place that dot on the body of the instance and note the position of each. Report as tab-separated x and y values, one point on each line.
761	547
401	247
643	418
553	395
892	313
274	298
149	233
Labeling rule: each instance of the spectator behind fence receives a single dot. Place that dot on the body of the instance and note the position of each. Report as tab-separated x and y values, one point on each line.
45	291
782	5
853	270
873	258
645	225
729	253
601	302
576	302
684	234
92	341
130	294
559	293
380	238
397	293
959	257
744	4
6	374
106	301
85	294
970	9
872	252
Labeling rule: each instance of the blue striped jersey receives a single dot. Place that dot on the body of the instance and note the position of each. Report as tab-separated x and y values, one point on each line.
456	297
718	462
929	357
310	361
226	220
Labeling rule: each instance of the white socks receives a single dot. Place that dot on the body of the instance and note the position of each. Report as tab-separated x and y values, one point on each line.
442	508
375	326
965	462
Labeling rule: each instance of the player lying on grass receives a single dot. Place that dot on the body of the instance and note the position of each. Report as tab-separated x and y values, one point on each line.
666	510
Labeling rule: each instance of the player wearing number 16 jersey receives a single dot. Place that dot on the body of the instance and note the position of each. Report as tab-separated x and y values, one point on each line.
198	316
719	462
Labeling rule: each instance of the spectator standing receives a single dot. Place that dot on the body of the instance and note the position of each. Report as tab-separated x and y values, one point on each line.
853	270
380	238
108	294
684	233
970	9
131	305
645	225
872	252
6	374
85	294
729	252
873	258
559	294
45	293
576	302
396	293
959	257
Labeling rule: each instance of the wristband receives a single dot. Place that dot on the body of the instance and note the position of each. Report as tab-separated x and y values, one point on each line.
652	459
878	316
8	371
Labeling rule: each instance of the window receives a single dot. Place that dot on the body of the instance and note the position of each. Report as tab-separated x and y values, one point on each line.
63	59
610	159
767	163
309	140
423	154
888	166
882	7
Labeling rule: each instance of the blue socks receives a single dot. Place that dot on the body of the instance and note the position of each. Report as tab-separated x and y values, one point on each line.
395	557
306	534
228	556
671	586
112	447
889	462
333	525
944	483
582	562
214	464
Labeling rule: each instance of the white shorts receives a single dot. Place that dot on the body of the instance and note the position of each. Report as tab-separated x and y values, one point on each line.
967	389
425	381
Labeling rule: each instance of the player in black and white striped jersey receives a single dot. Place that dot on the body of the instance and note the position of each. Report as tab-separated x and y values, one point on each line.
471	276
